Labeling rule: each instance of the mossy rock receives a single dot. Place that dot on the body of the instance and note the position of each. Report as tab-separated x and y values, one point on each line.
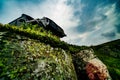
22	58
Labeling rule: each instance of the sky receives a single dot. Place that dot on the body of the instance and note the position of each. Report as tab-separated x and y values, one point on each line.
86	22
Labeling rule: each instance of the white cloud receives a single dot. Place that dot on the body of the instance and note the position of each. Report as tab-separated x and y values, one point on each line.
63	14
57	10
103	25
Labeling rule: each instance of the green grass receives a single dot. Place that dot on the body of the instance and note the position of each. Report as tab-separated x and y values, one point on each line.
109	53
38	33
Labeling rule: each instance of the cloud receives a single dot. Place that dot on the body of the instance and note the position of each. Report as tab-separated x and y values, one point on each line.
59	11
85	22
109	35
100	28
118	28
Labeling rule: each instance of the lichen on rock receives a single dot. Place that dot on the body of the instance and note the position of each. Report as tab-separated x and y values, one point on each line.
88	65
96	70
22	58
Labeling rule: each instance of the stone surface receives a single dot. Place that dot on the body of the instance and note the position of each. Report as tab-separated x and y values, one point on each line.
45	22
96	70
22	58
88	65
86	55
52	26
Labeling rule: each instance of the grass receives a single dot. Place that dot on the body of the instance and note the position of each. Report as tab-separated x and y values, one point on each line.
109	52
38	33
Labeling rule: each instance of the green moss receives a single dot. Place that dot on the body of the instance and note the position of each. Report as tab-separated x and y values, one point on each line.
25	48
23	58
42	35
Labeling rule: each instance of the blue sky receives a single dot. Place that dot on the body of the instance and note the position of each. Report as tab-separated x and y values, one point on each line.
86	22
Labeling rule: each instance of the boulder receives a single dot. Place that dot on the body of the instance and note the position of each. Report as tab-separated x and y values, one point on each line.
88	65
52	26
96	70
20	20
45	22
22	58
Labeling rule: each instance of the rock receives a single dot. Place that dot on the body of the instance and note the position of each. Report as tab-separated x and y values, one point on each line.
45	22
88	65
52	26
96	70
86	55
22	58
23	18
